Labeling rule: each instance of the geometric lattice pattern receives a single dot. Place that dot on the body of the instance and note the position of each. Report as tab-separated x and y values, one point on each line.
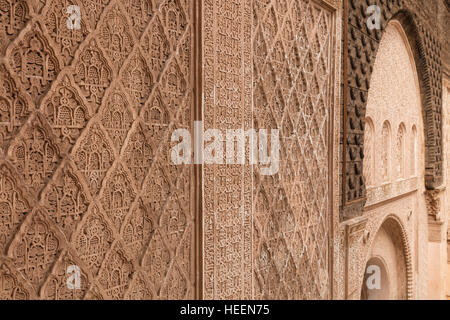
85	179
292	74
227	188
361	49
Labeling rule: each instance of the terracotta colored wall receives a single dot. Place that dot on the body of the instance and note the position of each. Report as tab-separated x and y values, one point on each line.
227	189
85	126
445	258
293	91
84	173
86	179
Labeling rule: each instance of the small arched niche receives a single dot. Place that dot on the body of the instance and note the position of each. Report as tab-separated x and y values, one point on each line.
386	152
388	265
376	280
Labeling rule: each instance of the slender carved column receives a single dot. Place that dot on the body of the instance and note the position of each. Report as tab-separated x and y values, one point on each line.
227	197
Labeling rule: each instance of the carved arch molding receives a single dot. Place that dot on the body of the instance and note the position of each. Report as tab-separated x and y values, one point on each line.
360	49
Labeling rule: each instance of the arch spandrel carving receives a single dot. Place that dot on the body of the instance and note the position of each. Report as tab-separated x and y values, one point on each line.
14	15
360	51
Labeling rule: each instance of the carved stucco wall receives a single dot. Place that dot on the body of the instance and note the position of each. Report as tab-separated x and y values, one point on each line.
84	173
394	99
269	236
425	34
86	117
294	90
438	219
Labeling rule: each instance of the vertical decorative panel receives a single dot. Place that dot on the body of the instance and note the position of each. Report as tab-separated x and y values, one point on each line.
227	104
292	92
